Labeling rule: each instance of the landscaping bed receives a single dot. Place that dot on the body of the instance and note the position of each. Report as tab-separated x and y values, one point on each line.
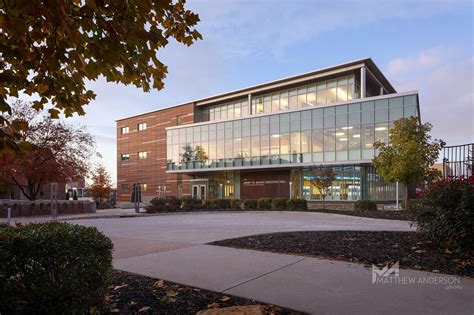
366	247
376	214
130	293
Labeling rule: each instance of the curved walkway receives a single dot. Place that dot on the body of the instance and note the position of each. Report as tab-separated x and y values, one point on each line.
173	248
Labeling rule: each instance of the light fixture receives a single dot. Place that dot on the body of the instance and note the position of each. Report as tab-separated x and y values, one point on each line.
342	139
340	133
356	136
345	128
381	128
275	136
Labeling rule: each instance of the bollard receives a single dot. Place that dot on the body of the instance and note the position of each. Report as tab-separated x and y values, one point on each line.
9	215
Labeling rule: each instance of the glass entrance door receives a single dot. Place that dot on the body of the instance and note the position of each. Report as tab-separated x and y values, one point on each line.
195	191
198	192
202	192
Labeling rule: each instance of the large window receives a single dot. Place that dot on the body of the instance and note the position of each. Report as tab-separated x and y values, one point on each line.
311	135
337	90
125	130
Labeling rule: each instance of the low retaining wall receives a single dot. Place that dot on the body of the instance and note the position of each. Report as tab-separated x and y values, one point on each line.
22	208
339	205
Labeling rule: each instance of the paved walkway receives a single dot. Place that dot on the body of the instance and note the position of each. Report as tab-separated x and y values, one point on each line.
172	247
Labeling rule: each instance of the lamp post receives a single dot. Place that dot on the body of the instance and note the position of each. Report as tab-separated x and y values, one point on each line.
221	191
291	184
397	196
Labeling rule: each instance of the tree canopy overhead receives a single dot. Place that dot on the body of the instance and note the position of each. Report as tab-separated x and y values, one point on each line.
49	48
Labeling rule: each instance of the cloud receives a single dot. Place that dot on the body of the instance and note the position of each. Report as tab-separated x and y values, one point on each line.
444	79
271	27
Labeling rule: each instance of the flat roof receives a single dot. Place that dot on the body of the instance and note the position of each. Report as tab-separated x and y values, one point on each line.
368	62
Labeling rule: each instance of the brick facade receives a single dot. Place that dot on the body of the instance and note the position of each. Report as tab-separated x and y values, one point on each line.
152	169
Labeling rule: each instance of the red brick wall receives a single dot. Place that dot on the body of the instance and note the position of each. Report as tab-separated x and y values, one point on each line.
152	169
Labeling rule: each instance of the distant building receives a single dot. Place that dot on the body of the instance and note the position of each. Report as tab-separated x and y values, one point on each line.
9	191
261	140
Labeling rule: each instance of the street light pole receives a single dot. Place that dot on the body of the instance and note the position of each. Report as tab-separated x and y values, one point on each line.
397	196
291	184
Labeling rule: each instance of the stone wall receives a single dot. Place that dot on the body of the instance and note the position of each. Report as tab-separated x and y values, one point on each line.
22	208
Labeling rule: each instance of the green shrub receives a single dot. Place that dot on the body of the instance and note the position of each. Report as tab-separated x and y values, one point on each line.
53	268
168	204
220	204
280	204
208	204
363	205
250	204
297	204
445	213
264	204
235	204
190	204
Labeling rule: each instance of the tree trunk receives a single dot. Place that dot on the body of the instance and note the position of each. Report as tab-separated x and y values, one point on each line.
405	206
33	192
23	191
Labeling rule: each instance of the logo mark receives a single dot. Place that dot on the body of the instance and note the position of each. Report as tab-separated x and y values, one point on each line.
385	272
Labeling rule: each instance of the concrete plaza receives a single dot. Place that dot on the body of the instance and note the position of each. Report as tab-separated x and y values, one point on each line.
173	248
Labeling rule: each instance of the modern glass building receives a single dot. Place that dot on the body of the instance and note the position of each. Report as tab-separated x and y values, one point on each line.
269	140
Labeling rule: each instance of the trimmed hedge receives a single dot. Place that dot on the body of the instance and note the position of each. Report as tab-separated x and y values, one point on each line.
53	268
280	204
363	205
264	204
235	204
297	204
172	204
250	204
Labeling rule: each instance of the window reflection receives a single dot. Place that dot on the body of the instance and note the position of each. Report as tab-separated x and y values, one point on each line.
310	95
308	136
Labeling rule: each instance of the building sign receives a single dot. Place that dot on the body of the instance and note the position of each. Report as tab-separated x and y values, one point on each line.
272	184
262	182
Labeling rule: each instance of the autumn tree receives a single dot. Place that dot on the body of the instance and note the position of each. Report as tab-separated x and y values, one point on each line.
50	151
322	178
51	49
101	186
409	155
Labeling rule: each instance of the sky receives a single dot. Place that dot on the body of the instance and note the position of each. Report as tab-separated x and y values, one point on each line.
419	45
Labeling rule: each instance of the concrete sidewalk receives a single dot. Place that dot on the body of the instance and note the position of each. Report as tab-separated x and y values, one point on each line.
307	284
173	247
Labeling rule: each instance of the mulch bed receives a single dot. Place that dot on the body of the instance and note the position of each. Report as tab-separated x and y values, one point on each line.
366	247
379	214
135	294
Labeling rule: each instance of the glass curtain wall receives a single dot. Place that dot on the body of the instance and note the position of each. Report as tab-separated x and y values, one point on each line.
330	134
322	93
352	182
